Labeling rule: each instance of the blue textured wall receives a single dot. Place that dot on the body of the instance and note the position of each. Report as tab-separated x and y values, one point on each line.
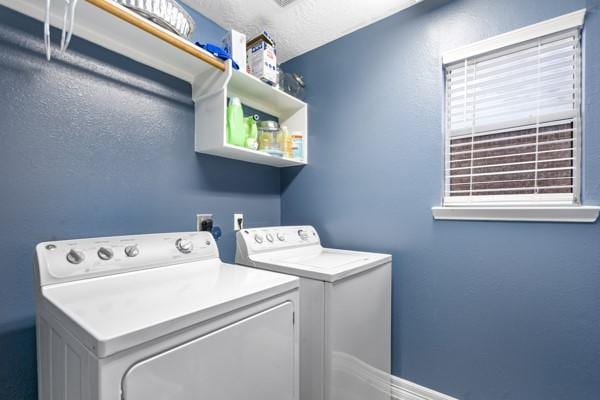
480	310
95	144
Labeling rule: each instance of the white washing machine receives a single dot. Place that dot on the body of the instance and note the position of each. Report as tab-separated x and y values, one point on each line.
345	309
160	317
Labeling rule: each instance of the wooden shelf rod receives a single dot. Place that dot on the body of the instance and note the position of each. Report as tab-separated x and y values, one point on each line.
161	33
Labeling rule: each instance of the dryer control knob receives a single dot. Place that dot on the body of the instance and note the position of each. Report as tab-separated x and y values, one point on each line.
75	256
258	238
281	236
184	245
303	234
270	237
132	251
105	253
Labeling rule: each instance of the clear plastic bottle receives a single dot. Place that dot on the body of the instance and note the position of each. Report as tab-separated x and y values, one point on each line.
285	142
251	133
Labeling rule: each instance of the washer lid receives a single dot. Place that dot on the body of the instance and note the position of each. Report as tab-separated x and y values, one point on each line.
116	312
320	263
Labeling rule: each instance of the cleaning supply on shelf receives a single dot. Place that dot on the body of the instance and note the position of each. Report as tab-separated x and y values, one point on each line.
235	44
267	135
236	133
251	132
298	146
292	83
285	142
262	59
218	52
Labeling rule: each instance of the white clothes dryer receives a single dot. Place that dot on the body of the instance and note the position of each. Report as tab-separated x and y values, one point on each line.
161	317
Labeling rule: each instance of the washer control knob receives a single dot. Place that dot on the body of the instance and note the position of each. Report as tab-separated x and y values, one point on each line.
184	245
258	238
281	236
132	251
75	256
105	253
303	234
270	237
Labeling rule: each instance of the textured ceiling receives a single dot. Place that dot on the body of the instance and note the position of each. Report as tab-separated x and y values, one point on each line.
302	25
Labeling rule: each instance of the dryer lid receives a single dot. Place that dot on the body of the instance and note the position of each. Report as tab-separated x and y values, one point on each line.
116	312
320	263
326	259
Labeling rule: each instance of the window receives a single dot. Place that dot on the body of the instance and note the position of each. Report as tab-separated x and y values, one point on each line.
513	118
513	123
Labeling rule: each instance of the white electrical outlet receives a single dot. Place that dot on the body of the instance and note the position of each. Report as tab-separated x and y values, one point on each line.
238	222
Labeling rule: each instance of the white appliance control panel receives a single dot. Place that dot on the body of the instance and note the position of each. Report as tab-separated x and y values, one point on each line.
258	240
68	260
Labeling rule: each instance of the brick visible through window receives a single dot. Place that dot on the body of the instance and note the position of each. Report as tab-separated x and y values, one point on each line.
522	161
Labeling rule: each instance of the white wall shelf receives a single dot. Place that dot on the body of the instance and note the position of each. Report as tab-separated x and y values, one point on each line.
119	29
210	94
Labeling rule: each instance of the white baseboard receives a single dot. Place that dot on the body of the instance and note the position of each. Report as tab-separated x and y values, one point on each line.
421	392
383	382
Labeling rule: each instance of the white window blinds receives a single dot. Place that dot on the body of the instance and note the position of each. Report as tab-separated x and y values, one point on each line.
513	123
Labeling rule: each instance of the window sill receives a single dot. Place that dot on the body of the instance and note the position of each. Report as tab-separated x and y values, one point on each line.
585	214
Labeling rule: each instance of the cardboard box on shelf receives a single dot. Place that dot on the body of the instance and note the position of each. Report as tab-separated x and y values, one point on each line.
262	59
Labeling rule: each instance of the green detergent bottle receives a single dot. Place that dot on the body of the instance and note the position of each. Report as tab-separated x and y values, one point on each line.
236	132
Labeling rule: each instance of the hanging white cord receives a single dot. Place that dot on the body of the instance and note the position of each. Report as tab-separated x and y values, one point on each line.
68	24
71	23
64	27
47	42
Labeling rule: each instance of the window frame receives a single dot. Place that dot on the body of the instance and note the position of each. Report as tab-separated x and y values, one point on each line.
527	207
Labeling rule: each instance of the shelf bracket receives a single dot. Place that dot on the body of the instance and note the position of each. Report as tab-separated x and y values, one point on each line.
206	86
